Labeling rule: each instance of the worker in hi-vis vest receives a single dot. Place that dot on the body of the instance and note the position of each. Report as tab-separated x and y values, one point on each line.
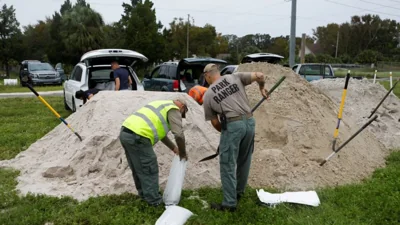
141	131
197	93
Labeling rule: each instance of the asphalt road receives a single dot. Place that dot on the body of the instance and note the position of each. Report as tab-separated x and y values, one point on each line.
30	94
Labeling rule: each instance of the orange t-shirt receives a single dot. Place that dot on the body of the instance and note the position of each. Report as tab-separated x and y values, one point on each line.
197	93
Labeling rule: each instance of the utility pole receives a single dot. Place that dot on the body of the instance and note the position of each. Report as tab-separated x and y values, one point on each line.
303	48
187	37
237	52
292	51
337	43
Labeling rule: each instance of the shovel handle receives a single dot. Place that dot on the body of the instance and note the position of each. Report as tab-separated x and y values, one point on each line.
269	92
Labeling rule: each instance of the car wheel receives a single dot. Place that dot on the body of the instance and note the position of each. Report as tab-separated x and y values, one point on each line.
65	104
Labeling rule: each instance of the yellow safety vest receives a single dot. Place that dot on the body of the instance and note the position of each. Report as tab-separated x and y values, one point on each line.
151	121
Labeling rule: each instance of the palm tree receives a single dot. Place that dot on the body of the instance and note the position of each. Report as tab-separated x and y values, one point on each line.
82	30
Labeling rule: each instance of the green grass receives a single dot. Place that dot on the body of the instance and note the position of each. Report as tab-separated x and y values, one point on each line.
24	120
396	90
375	201
368	73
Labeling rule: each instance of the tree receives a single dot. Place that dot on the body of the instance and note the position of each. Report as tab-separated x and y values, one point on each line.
10	36
369	56
112	37
140	29
81	31
280	46
367	32
56	50
65	7
37	40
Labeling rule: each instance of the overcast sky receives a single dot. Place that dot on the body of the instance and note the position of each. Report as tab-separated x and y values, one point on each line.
238	17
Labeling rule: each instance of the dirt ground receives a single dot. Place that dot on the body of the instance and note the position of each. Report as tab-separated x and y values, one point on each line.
361	99
294	130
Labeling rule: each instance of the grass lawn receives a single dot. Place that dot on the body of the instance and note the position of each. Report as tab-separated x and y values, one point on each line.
365	72
396	90
24	120
375	201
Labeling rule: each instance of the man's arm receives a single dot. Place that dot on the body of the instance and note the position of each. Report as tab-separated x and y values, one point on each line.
130	80
248	78
175	121
259	78
117	83
216	124
168	143
210	114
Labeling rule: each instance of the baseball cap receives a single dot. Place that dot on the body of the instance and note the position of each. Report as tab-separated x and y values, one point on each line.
210	67
184	103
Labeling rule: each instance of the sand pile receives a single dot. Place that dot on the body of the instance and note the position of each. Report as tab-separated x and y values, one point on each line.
362	97
59	164
293	131
295	128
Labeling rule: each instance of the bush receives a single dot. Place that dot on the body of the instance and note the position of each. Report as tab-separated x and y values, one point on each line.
368	57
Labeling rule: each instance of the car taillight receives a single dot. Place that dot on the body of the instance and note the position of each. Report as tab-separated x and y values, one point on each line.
175	85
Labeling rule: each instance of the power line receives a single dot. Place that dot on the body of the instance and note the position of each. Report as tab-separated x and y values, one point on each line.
360	8
384	6
394	1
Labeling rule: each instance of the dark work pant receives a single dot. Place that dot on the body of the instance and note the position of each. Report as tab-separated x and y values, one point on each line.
236	149
143	162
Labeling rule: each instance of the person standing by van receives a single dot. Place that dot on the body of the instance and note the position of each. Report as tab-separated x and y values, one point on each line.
122	79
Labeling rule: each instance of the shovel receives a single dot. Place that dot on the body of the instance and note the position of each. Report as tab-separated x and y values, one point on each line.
51	108
380	103
351	138
255	107
335	135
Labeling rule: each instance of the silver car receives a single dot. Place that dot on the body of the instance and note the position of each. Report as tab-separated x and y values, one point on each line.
39	73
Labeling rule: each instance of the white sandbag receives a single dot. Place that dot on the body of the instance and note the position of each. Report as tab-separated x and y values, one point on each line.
174	215
11	82
172	192
301	197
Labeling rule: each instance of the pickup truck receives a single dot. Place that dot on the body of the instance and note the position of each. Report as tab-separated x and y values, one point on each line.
314	71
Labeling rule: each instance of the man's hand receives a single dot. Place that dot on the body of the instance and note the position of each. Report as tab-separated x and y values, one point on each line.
264	93
183	155
176	150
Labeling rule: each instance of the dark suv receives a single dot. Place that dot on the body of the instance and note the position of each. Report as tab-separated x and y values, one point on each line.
179	76
38	73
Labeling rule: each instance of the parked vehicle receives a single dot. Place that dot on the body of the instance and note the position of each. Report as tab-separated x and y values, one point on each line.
60	70
38	73
179	76
314	71
262	57
230	69
94	71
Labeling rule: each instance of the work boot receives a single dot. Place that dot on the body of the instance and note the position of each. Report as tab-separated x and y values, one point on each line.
159	204
220	207
238	197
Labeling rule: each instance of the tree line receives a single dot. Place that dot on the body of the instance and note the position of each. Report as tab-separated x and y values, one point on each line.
78	28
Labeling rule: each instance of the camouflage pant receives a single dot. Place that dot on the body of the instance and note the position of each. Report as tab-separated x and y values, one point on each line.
143	162
236	149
